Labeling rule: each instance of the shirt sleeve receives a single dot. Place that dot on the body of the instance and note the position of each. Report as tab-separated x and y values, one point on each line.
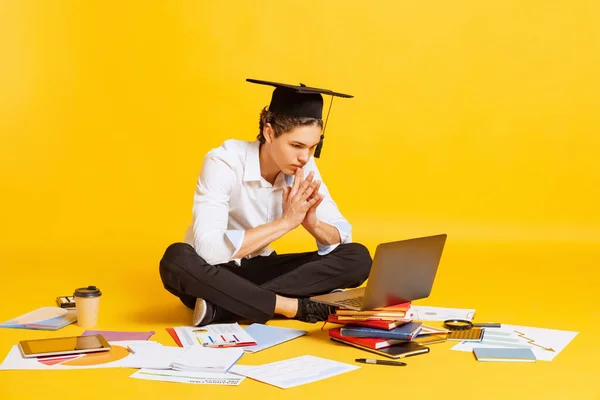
211	238
329	213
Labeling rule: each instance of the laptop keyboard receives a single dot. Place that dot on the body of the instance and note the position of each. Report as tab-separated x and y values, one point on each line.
353	301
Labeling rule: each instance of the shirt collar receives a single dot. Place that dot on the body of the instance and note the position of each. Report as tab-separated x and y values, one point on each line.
252	169
252	164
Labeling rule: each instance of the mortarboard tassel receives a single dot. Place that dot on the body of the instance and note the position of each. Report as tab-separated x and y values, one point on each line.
320	144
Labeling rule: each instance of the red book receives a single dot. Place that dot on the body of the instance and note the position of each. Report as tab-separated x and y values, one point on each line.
371	343
371	323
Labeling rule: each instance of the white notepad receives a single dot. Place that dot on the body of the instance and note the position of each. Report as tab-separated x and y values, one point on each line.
207	359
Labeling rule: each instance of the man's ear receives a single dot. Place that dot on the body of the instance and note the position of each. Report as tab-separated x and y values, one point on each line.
268	132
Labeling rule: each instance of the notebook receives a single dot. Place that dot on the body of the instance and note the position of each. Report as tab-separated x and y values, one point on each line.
467	335
404	332
372	343
504	354
44	318
268	336
207	359
376	344
404	349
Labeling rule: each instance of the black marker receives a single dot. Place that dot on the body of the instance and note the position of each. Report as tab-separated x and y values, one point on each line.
382	362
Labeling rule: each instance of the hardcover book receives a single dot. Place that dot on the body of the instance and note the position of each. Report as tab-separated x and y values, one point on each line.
404	332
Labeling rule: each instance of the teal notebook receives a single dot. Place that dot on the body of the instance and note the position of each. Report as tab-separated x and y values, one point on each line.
499	354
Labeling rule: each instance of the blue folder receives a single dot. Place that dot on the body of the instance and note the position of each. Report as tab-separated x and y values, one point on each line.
267	336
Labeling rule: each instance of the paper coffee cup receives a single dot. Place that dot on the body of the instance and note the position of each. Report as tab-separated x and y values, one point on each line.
87	305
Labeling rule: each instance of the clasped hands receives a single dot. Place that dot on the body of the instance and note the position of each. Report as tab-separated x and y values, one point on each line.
300	201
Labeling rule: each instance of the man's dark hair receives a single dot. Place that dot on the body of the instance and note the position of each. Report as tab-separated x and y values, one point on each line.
283	123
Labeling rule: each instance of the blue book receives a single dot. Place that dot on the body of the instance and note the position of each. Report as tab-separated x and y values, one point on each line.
503	354
404	332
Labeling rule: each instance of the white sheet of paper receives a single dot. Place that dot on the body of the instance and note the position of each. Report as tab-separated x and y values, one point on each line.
425	313
200	358
198	378
545	343
213	335
152	356
294	371
143	345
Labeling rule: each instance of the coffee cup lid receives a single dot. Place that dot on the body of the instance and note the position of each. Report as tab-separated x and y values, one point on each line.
90	291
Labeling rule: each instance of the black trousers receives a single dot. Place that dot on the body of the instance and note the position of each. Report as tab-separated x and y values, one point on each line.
249	290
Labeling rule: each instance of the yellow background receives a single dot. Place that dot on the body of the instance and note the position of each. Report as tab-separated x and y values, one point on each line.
477	119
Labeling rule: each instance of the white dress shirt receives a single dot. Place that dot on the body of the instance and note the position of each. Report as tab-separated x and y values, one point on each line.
232	197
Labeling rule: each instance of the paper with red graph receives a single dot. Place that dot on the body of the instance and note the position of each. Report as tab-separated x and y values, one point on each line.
215	335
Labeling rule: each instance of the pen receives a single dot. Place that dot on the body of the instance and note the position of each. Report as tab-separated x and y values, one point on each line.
216	345
488	325
382	362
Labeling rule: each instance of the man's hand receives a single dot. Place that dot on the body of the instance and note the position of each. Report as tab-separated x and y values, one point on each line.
310	220
298	199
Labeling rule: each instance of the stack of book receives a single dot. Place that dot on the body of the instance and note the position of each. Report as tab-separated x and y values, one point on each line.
391	313
382	327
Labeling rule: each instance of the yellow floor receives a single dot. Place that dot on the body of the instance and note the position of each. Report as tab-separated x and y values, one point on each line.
550	285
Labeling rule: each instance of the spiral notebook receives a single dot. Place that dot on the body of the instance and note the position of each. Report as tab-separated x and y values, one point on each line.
467	335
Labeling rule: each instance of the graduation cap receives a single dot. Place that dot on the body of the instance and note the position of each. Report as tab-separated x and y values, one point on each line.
300	101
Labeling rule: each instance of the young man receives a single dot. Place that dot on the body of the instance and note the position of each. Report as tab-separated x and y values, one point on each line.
248	195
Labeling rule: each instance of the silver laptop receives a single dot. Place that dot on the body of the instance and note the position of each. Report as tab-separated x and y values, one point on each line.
401	271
